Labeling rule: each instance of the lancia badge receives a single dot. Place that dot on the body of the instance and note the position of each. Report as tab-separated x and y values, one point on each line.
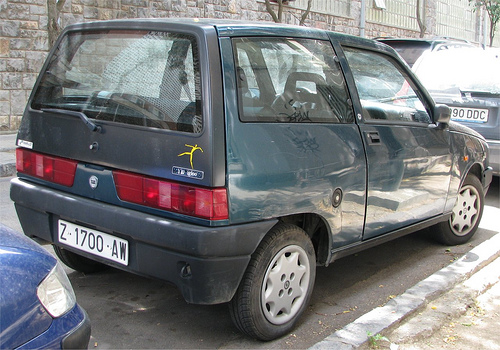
93	181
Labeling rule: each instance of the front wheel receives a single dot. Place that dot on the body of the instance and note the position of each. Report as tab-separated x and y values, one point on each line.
277	285
466	214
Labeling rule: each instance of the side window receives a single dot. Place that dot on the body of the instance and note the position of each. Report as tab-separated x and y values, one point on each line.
385	91
290	80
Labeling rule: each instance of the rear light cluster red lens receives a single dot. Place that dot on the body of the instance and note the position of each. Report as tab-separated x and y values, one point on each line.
54	169
210	204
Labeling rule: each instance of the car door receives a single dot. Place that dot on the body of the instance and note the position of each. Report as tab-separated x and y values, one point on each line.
408	155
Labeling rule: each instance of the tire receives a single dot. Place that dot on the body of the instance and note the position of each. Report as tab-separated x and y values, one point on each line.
277	285
466	214
78	262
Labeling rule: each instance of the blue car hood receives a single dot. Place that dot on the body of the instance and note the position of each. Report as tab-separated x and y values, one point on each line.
23	265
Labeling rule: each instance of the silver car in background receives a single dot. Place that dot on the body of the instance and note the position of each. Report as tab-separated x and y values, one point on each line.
468	81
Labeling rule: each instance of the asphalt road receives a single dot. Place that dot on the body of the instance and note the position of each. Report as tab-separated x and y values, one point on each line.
129	311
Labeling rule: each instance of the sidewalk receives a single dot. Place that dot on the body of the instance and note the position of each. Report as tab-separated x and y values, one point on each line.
7	154
467	317
456	308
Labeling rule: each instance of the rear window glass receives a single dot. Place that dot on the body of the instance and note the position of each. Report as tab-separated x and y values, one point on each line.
142	78
290	80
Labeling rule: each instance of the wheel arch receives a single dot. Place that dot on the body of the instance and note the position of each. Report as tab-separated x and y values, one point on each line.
317	229
476	170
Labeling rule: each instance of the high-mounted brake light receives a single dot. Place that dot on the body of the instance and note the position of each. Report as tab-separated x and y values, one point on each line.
53	169
206	203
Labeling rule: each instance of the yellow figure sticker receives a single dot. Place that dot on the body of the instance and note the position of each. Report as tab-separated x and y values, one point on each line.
190	153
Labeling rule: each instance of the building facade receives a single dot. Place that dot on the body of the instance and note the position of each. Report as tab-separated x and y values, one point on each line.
25	36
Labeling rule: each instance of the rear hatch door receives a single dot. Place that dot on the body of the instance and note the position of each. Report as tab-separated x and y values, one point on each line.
141	96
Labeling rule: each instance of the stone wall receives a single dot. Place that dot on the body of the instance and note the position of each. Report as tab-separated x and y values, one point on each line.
24	39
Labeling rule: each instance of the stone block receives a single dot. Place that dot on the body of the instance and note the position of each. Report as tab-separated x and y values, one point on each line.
16	65
18	11
43	21
38	10
105	14
9	28
90	13
12	81
14	123
77	9
29	80
89	2
41	44
5	107
29	24
34	61
18	101
4	95
4	47
20	44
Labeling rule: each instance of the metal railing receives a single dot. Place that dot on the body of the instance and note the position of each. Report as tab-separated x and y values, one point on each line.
331	7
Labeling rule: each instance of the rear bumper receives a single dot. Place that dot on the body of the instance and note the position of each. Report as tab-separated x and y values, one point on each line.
161	248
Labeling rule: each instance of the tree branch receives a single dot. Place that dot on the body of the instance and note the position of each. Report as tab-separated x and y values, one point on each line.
420	22
306	13
269	9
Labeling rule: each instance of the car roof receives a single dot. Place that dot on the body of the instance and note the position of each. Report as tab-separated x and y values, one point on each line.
232	28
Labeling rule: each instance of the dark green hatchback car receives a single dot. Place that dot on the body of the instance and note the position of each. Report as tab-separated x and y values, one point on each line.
232	158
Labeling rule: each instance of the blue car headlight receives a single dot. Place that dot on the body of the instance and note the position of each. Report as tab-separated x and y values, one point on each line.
56	293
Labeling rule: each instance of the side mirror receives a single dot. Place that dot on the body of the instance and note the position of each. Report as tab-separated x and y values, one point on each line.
442	114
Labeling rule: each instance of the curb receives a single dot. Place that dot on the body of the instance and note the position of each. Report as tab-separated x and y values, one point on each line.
399	309
451	305
7	153
7	169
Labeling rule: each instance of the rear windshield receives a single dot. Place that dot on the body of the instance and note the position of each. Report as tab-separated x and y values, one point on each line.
142	78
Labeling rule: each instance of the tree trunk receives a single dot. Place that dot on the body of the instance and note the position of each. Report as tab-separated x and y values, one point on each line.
306	13
54	8
420	22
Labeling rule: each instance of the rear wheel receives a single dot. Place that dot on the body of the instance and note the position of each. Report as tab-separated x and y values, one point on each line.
466	214
277	285
78	262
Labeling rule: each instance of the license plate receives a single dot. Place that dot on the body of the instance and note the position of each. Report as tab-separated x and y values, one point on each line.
94	242
474	115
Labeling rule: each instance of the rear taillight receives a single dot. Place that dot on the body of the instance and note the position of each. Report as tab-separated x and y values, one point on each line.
210	204
53	169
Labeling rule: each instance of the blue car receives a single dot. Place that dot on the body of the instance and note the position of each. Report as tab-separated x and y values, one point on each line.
38	307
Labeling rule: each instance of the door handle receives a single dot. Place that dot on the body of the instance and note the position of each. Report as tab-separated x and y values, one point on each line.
373	137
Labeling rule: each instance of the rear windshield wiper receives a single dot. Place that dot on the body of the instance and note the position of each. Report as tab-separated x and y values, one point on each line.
90	124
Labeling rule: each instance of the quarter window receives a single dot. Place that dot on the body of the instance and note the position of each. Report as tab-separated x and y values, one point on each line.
290	80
